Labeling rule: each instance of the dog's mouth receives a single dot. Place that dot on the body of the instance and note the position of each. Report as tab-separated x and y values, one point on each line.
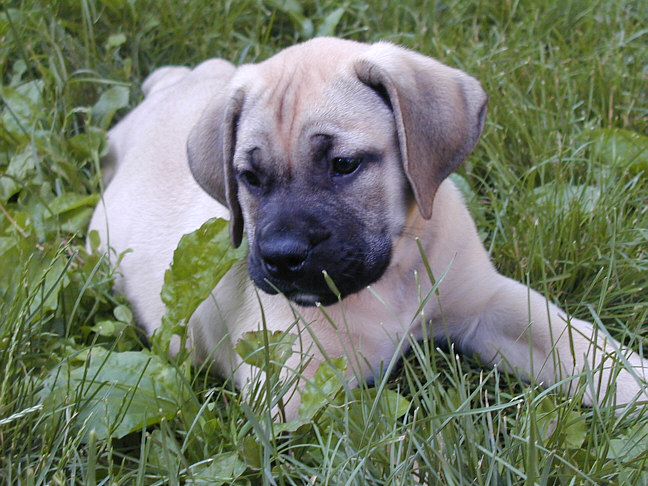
309	300
311	263
300	295
309	287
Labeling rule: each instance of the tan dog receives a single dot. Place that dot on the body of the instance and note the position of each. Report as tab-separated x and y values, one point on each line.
332	155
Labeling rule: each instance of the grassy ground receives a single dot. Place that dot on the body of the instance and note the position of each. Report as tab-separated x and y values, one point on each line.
558	186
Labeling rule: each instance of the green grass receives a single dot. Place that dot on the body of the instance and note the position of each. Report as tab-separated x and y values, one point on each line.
558	186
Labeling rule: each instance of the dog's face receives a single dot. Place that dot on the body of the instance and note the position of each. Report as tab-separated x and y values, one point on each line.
321	151
320	185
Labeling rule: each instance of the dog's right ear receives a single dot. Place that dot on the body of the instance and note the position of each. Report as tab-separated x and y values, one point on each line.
438	111
210	149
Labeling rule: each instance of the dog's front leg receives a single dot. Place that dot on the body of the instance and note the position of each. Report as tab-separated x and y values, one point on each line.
534	338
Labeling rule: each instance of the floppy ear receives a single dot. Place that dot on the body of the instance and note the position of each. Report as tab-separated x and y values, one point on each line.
210	149
439	113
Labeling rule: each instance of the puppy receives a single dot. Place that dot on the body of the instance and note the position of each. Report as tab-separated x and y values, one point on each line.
332	156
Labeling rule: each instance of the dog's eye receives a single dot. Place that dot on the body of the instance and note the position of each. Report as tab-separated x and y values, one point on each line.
345	165
250	179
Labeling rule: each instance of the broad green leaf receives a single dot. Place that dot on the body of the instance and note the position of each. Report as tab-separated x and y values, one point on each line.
6	244
306	27
323	388
123	314
20	167
370	409
17	16
623	148
8	187
46	291
221	470
76	221
23	106
564	197
252	452
252	347
294	10
115	328
87	145
550	421
109	328
393	404
633	443
19	69
21	164
330	22
116	393
71	212
94	239
115	40
69	201
109	103
199	262
575	431
165	452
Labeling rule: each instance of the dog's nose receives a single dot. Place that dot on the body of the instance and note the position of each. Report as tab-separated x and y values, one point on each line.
284	255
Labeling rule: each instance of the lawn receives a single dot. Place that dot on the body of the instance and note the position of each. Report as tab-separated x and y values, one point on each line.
558	186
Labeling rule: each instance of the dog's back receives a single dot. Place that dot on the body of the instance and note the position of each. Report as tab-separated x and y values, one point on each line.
152	199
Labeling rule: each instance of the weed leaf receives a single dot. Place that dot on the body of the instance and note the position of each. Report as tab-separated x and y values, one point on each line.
109	103
115	393
323	388
330	22
622	148
223	469
256	347
564	197
201	259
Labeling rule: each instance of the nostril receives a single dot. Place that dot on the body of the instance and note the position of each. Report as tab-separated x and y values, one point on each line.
284	265
294	263
271	267
276	265
283	257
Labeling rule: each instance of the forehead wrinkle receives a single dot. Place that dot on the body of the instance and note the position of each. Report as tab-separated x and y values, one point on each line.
288	107
279	91
288	98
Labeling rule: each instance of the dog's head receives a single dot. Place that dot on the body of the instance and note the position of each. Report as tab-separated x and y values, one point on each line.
320	152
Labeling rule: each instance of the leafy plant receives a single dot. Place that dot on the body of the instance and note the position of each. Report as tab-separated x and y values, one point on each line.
200	261
557	186
114	393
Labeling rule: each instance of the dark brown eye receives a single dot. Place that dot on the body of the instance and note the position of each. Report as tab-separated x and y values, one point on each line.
250	179
345	165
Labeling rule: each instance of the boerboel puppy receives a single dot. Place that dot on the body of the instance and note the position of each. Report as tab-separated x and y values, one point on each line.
332	156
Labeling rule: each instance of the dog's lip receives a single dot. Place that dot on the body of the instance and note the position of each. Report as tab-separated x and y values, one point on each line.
306	298
309	300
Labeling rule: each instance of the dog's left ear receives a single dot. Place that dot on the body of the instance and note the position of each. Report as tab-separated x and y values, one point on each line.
439	113
210	149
